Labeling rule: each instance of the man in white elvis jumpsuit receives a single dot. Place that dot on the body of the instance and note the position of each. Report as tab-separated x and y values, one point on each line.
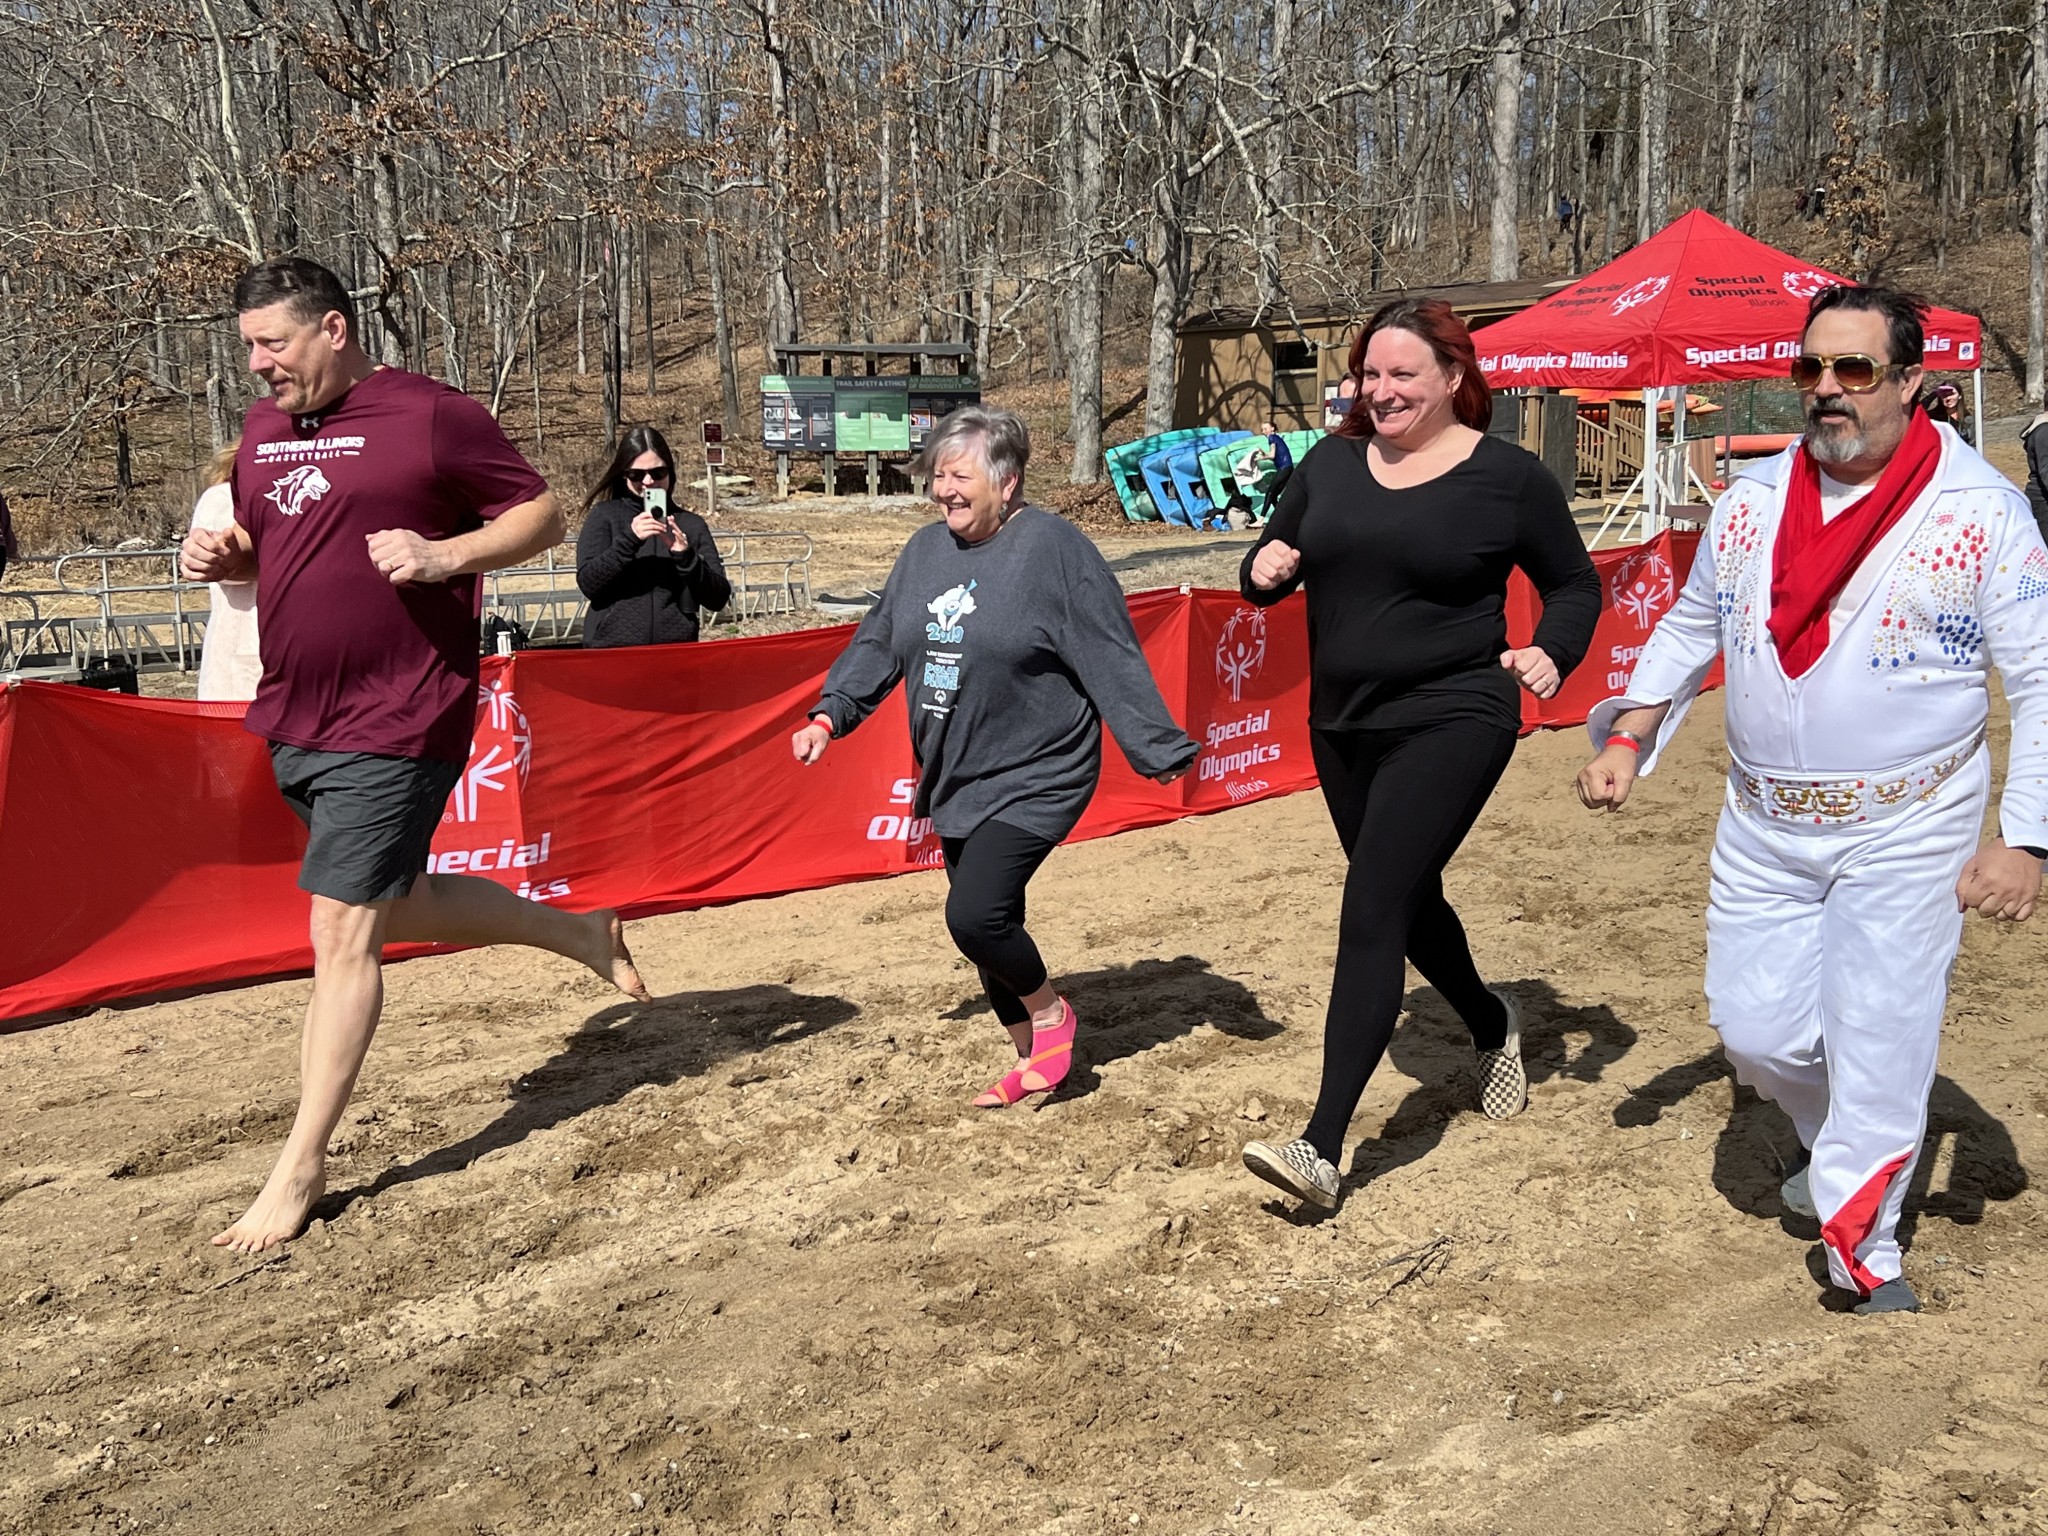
1858	587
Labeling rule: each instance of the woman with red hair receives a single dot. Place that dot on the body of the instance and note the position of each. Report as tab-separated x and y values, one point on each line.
1403	525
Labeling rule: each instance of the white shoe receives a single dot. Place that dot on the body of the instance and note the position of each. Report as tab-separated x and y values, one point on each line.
1503	1085
1297	1168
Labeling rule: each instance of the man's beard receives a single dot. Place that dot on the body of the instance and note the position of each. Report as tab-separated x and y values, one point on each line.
1831	438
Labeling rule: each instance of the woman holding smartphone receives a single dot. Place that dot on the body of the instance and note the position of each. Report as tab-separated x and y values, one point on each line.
646	565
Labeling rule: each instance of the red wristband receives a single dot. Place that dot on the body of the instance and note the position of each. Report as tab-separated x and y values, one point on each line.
1625	741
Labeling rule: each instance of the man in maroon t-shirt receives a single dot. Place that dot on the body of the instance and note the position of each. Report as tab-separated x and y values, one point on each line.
370	498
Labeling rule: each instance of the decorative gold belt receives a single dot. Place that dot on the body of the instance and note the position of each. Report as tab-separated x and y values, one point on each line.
1842	801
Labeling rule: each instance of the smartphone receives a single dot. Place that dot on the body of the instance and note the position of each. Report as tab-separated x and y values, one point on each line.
654	501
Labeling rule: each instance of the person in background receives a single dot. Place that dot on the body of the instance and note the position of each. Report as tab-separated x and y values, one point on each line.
1403	526
1014	644
646	564
1240	509
8	548
2035	441
230	664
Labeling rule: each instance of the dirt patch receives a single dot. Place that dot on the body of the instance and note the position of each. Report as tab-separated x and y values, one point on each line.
745	1260
1094	508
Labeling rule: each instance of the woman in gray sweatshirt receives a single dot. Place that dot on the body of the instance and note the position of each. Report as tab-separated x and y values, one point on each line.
1013	639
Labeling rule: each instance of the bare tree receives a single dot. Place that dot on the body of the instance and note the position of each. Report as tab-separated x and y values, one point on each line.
1504	259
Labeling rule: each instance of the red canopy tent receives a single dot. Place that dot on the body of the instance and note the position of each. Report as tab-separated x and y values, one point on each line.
1698	302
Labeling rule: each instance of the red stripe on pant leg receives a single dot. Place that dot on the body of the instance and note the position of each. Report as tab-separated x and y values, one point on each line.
1848	1227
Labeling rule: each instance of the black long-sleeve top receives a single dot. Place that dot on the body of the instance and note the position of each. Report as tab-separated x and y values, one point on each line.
1407	589
640	592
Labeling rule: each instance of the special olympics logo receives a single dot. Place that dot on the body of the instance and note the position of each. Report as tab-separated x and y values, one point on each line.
1642	587
1804	285
1648	289
503	745
1241	650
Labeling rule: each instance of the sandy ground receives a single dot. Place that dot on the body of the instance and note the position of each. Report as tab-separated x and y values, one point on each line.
745	1260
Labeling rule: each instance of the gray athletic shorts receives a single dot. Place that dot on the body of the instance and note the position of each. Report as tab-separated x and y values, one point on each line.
371	819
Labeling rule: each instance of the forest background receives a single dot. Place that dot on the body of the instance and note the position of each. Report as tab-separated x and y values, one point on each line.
594	214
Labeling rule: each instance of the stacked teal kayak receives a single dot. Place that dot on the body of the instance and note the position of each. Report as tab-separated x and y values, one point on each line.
1124	463
1188	476
1250	467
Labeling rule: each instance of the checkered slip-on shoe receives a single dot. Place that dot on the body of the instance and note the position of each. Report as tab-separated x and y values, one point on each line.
1503	1085
1297	1168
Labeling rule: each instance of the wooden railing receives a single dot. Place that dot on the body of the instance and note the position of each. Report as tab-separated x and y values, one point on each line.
1608	458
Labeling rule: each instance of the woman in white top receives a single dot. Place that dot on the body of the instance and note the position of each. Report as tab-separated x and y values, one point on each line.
229	663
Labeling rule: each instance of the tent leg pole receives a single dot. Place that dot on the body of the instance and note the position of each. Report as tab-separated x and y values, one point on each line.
1977	406
1653	479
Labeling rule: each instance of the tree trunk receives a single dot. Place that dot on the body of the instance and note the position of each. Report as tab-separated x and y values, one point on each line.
222	411
1579	178
780	316
992	217
1273	88
1735	155
610	324
1084	153
1653	176
452	369
647	303
1168	253
2037	213
1504	257
582	296
721	329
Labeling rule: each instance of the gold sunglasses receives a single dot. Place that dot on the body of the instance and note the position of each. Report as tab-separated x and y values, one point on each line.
1853	371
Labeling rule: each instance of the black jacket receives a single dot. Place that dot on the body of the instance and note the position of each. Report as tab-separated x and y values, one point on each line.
640	593
2035	441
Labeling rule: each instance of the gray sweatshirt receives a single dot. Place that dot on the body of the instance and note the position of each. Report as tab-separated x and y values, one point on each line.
1014	652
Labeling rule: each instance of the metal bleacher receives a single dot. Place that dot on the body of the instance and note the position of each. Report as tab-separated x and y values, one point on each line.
74	612
100	606
770	574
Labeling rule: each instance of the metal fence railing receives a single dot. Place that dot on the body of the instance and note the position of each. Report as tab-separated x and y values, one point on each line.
131	606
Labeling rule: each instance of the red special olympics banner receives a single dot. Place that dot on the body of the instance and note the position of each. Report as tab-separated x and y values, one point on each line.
146	849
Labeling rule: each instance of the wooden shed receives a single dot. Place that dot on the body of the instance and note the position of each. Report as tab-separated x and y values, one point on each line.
1241	368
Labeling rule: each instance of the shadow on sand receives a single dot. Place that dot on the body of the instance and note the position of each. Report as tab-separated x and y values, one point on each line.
1432	1045
1756	1144
623	1047
1125	1009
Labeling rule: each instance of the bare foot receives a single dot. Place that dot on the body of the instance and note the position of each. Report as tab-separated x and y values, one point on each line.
612	960
279	1213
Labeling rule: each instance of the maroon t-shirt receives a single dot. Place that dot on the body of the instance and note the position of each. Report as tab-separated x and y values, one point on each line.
352	663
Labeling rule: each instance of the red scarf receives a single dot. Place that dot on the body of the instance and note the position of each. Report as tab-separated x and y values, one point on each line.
1814	560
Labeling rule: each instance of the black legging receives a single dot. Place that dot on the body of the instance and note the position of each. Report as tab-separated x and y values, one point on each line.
1402	802
989	869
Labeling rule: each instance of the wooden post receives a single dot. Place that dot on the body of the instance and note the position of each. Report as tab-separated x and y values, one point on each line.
830	461
714	460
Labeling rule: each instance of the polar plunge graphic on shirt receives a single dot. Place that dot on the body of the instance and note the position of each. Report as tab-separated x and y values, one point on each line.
947	610
940	684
